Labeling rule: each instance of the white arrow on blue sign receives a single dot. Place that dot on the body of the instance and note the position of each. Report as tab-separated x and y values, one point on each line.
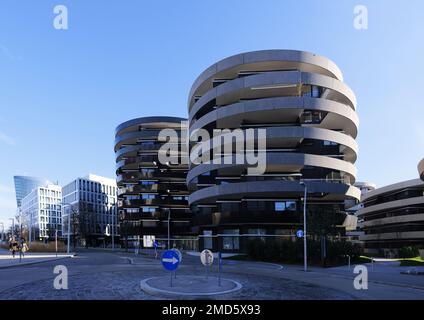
170	260
299	233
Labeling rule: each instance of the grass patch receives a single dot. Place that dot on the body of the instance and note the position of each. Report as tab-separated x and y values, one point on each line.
241	257
411	263
404	262
361	259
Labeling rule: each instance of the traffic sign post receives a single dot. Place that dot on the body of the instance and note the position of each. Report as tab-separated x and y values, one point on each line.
170	261
137	246
156	245
206	257
181	259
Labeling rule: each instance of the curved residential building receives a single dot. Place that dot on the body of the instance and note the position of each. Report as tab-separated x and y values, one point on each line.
311	124
393	217
150	191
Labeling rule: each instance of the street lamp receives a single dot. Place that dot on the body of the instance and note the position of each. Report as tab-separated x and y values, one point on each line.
13	227
305	253
113	222
169	233
69	226
2	230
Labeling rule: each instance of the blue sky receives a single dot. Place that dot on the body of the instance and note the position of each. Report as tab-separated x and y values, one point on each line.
62	93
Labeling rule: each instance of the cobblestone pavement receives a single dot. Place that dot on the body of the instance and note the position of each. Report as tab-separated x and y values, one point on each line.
126	285
114	276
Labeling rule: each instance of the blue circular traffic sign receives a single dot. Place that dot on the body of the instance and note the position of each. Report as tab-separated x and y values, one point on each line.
299	233
170	260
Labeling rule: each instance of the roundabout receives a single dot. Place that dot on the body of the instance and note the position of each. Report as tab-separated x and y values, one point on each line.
189	286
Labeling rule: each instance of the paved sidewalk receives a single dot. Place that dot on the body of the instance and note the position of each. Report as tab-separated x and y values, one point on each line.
7	261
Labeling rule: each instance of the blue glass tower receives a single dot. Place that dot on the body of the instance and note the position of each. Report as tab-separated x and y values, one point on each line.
24	185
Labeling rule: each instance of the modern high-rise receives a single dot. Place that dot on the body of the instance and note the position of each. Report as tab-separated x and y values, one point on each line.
311	124
90	203
24	185
352	207
393	217
153	196
41	211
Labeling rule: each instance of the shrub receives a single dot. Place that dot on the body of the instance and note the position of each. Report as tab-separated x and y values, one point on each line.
289	251
409	252
49	247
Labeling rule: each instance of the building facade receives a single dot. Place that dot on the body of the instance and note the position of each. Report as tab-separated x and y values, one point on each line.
310	119
24	185
352	208
393	217
41	211
152	194
90	211
421	169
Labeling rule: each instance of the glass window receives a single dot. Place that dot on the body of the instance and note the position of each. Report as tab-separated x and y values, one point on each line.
148	196
207	239
329	143
291	205
315	92
280	206
231	242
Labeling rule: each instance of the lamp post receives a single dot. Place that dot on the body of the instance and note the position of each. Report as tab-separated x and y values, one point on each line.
13	227
113	234
69	226
169	233
2	231
305	250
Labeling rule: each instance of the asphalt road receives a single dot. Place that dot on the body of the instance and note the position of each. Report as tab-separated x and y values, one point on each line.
106	275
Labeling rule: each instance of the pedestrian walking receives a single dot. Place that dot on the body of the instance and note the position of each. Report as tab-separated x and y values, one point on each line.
23	247
14	246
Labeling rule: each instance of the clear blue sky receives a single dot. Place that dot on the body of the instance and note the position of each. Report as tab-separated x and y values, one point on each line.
62	93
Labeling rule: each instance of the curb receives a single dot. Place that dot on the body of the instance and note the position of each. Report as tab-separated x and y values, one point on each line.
172	294
34	262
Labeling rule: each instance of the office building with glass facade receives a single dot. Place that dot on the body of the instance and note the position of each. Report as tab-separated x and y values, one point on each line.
41	213
24	185
90	204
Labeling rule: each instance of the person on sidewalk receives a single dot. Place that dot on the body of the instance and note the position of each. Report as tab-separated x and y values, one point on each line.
23	247
14	247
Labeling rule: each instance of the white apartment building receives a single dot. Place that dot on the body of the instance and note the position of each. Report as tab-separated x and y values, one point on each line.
91	202
42	212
